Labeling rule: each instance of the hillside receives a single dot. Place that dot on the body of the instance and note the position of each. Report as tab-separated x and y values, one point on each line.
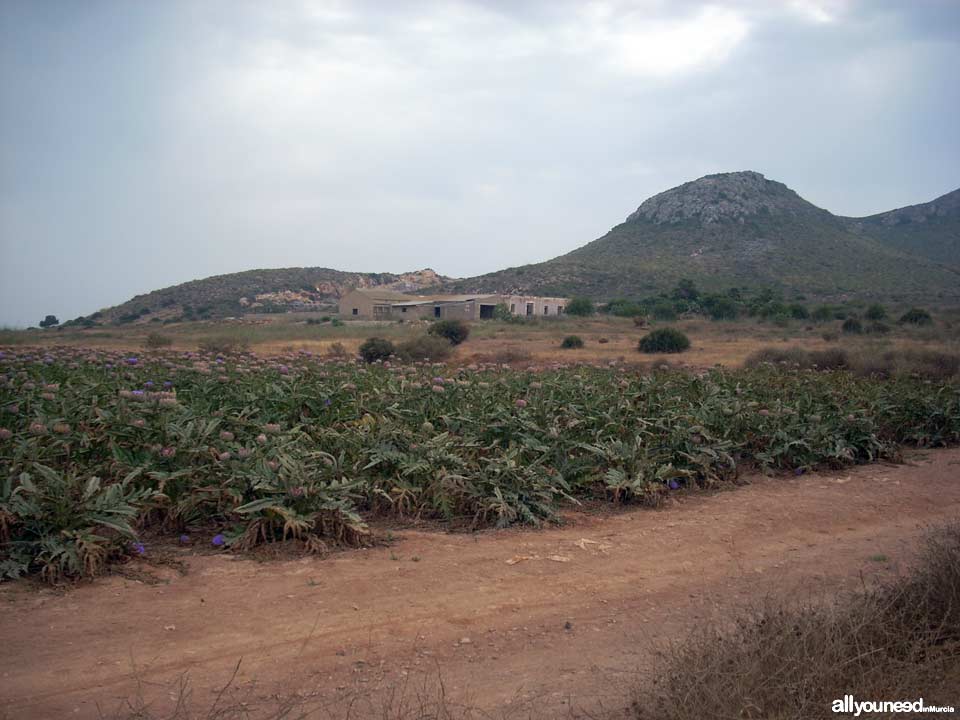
930	230
735	229
727	230
277	290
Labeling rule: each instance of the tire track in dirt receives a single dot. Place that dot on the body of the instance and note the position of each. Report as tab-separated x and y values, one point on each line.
577	625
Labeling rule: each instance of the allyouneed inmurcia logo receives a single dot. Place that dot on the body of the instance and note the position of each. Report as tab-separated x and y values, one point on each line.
856	707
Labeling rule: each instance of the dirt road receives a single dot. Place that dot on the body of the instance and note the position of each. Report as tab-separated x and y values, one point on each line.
560	615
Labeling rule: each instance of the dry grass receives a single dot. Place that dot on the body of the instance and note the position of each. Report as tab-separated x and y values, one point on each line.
899	640
421	697
726	343
867	361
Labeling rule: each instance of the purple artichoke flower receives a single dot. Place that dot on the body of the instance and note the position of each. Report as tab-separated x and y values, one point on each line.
218	540
674	485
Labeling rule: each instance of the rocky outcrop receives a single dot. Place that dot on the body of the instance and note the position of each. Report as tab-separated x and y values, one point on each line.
725	196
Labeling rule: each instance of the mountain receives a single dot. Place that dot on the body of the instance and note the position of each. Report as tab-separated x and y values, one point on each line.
277	290
741	229
930	230
735	229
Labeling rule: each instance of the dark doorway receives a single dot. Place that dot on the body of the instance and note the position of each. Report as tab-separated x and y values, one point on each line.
436	311
529	308
486	312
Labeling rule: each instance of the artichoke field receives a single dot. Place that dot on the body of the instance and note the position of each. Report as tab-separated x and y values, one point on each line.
97	447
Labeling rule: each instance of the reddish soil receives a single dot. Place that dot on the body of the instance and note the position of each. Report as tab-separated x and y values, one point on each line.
568	621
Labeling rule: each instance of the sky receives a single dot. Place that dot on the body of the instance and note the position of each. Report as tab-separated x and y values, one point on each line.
144	144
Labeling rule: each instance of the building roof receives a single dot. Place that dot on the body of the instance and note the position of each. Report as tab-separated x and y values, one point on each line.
398	298
375	294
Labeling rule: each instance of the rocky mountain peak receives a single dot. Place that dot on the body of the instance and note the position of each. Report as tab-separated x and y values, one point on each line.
722	197
944	206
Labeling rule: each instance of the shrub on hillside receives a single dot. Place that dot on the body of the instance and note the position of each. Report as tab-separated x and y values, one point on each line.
424	347
375	348
663	310
623	308
454	331
875	312
580	306
798	311
722	308
824	313
916	316
664	340
156	340
852	325
572	342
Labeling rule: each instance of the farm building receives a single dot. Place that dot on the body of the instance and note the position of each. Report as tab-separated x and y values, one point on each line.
373	304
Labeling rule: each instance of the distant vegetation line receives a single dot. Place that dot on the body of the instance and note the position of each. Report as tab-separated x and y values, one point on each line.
726	231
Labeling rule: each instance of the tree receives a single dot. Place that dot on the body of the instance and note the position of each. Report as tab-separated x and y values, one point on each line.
582	306
49	321
502	312
686	290
664	340
876	312
454	331
375	348
916	316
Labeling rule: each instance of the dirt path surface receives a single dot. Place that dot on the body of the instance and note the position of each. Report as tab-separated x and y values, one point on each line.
561	615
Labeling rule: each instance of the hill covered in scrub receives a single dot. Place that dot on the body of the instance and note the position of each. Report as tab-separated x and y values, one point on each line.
742	230
261	291
729	230
930	230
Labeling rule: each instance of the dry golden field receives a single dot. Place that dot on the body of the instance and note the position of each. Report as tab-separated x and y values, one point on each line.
606	339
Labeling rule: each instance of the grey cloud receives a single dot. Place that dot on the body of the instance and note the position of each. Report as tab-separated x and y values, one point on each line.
145	144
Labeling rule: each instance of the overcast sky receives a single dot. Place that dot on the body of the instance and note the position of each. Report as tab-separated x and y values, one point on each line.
143	144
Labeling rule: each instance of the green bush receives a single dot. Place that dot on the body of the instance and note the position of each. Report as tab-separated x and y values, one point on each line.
798	311
879	328
580	306
572	342
663	310
454	331
502	312
852	325
824	313
375	348
916	316
721	308
424	347
623	308
875	312
664	340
